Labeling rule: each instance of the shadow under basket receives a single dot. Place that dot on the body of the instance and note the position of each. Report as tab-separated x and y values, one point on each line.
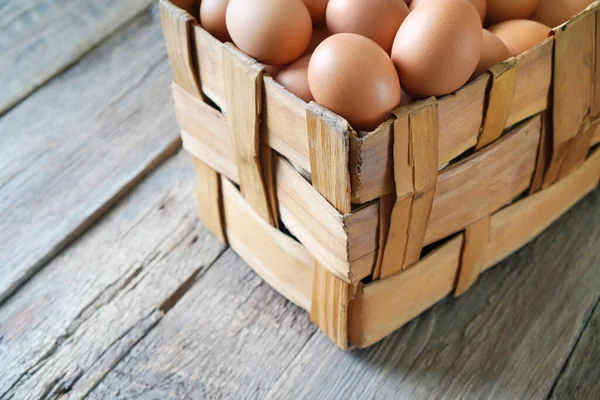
338	221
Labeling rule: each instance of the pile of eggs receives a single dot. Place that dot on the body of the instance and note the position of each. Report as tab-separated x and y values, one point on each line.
363	58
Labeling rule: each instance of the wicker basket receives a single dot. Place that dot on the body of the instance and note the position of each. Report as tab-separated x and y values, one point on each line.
367	230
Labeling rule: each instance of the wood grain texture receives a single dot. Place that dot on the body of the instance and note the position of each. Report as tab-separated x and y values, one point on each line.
484	182
73	321
342	242
507	337
328	138
100	127
500	99
517	224
477	238
544	153
371	164
534	82
415	174
176	26
216	342
579	379
35	47
381	307
210	199
204	133
243	95
573	92
280	260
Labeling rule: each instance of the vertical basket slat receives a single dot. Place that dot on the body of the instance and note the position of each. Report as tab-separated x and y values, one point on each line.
329	154
209	197
243	96
501	95
415	173
176	24
574	59
477	238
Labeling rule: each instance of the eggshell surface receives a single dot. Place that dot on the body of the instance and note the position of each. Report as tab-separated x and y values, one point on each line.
212	18
494	51
556	12
354	77
504	10
316	8
272	31
438	47
520	35
480	6
378	20
294	77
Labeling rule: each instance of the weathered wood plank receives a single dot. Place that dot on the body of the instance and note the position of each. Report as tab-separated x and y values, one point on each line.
229	337
73	148
579	380
507	337
40	38
79	316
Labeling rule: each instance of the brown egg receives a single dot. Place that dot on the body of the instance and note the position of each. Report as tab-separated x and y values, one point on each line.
480	6
212	18
294	77
316	8
352	76
320	33
520	35
272	31
438	47
494	51
376	19
504	10
557	12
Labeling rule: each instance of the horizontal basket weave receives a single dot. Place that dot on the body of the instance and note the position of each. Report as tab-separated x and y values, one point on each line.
367	230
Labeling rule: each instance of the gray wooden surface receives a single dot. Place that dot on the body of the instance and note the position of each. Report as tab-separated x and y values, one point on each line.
110	287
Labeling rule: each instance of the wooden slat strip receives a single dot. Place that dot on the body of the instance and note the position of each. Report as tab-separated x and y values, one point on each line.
280	260
516	225
176	24
329	149
424	159
204	133
501	94
477	238
243	93
328	137
209	196
544	153
383	306
578	150
386	205
415	174
339	241
484	182
574	58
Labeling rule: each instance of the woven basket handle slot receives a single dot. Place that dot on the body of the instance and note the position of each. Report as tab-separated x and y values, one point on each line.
415	173
576	97
500	99
243	97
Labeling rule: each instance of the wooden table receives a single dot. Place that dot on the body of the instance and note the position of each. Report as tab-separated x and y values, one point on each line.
110	287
